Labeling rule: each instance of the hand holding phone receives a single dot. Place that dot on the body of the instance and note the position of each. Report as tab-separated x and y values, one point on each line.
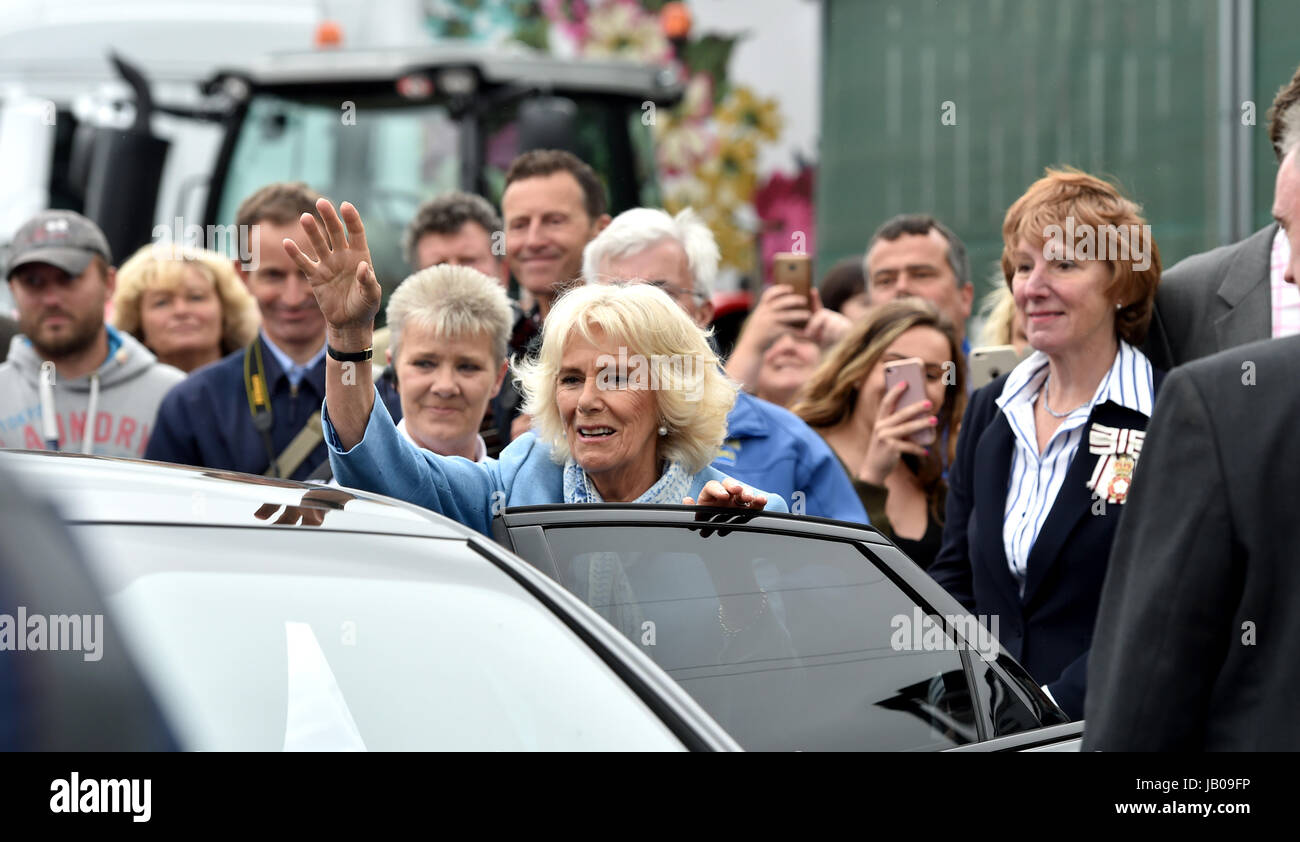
795	271
912	373
904	424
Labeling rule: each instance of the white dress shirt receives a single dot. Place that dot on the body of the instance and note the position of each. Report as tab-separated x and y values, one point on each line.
1036	478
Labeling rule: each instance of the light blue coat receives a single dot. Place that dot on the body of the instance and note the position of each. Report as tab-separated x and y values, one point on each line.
468	492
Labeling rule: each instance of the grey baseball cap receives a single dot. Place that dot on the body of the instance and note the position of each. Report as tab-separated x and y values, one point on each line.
60	238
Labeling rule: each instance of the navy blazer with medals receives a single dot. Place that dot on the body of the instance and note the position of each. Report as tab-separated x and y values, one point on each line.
1049	630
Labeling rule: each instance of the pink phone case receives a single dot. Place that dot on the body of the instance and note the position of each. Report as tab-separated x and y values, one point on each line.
909	371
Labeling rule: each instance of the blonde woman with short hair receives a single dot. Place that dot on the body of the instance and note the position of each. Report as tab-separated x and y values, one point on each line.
628	401
186	305
450	332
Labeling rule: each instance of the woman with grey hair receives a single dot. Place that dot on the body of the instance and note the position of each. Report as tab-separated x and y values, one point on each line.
628	401
450	329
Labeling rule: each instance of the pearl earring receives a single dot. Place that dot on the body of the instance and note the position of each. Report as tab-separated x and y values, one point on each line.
663	431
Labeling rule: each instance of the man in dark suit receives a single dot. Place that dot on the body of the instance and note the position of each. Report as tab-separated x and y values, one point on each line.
1233	294
1198	631
1213	301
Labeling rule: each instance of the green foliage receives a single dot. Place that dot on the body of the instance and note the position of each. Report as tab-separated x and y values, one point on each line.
710	55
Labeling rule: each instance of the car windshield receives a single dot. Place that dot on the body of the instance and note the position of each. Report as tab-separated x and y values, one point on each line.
384	159
285	639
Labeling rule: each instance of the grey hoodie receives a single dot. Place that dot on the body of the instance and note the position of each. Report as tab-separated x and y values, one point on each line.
123	395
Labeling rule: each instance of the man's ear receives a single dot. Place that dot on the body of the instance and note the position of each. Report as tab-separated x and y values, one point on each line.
704	314
388	355
604	220
967	299
110	280
240	271
501	378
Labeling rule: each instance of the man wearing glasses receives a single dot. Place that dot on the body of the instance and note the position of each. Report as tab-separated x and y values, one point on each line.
766	446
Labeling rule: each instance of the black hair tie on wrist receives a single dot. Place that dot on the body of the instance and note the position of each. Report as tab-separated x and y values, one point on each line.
350	356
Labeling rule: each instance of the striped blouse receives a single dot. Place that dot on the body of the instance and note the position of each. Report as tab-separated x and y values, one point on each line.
1036	478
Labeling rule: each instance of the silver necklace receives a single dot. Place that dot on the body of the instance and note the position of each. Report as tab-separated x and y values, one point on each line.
1048	406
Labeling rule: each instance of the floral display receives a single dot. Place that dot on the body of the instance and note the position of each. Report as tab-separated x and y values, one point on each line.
707	146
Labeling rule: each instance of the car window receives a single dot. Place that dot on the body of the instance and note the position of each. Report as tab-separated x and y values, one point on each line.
297	640
787	641
1013	712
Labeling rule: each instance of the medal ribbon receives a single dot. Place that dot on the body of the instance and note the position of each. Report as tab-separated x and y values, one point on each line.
1111	443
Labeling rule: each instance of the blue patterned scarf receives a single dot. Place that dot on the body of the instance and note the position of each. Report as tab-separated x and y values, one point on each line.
670	489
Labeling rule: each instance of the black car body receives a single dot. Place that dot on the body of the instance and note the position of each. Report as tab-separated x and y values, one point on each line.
795	633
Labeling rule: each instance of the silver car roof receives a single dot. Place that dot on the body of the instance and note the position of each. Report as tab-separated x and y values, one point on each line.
99	489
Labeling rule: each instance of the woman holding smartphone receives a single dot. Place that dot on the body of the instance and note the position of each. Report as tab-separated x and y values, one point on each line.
893	441
1047	451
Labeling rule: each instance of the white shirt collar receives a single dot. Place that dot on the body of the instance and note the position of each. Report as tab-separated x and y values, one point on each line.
480	449
1128	383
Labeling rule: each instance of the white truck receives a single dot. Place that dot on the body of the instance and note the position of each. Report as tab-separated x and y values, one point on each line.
206	104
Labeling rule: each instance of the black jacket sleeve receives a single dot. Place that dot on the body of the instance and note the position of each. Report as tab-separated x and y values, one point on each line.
952	566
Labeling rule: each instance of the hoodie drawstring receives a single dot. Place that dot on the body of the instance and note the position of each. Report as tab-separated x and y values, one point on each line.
49	420
92	409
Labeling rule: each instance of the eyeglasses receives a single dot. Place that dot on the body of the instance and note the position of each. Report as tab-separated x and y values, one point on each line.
672	289
676	291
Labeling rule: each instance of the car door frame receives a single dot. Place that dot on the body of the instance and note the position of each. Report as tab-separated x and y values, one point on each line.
523	531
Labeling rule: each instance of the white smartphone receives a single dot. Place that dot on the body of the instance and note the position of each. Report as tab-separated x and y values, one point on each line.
991	362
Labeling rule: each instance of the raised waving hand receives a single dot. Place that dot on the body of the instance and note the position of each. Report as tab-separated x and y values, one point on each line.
343	278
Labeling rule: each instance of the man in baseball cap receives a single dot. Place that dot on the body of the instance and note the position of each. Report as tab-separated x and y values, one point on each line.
60	238
103	388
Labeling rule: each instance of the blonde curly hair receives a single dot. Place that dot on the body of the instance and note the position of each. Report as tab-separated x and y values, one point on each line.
693	396
156	266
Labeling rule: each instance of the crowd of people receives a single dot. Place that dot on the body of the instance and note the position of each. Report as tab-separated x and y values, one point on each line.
1113	499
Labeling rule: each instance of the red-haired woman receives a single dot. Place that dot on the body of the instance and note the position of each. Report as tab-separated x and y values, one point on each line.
1047	451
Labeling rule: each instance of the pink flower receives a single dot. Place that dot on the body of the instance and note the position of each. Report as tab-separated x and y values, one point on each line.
784	205
569	16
